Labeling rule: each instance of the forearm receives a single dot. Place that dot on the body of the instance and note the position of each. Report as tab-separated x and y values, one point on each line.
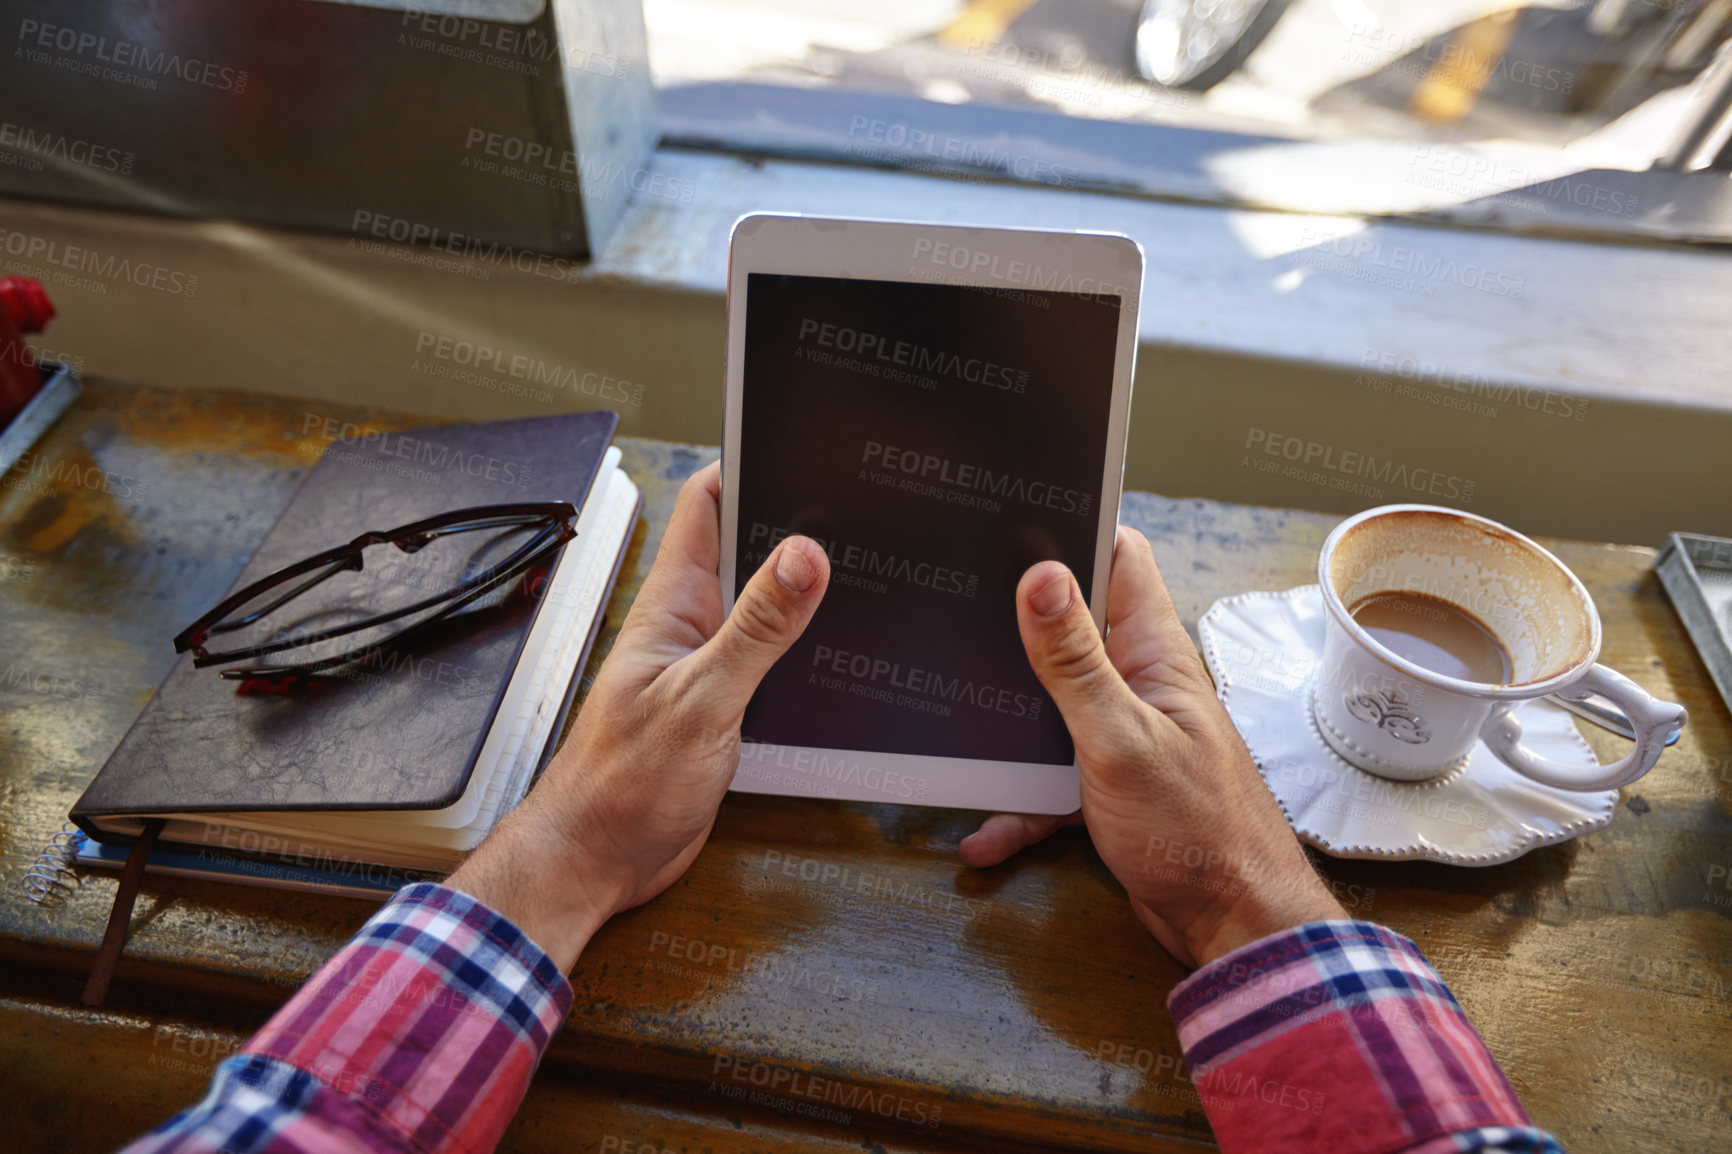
420	1034
529	871
1339	1036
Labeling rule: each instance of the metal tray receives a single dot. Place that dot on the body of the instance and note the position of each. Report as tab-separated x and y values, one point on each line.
1697	574
33	420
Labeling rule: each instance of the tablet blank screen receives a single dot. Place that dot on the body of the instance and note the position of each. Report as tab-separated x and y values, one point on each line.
936	440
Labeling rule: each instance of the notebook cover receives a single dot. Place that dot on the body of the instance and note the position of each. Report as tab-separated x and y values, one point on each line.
349	879
404	734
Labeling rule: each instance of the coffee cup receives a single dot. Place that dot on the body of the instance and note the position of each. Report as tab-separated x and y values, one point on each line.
1438	625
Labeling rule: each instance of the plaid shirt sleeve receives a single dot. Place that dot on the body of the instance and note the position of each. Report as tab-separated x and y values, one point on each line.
421	1035
1338	1036
423	1032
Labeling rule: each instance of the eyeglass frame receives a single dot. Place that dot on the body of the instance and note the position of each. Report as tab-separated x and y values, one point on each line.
559	528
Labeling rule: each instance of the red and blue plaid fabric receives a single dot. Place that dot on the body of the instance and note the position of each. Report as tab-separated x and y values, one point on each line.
1339	1036
423	1032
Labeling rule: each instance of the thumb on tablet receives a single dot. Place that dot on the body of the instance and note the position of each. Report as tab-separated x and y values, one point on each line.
768	616
1068	656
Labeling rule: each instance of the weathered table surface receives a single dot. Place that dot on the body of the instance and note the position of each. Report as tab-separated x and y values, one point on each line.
1020	1007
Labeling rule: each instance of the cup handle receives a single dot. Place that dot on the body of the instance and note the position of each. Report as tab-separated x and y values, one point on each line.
1651	720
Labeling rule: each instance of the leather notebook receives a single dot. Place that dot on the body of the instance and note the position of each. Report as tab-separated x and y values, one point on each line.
378	762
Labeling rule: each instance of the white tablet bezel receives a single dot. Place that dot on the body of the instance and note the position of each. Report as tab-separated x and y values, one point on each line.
1011	259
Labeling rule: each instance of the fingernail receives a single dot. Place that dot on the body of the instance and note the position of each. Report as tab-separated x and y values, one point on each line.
1052	598
793	570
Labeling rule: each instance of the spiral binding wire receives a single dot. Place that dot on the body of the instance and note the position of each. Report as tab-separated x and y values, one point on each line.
51	879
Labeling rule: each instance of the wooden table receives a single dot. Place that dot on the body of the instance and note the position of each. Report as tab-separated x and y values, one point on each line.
1015	1008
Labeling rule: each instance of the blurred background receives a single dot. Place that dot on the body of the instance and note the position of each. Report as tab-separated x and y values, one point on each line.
1479	237
1550	72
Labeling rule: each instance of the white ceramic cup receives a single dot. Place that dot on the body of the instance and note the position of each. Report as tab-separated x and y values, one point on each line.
1397	719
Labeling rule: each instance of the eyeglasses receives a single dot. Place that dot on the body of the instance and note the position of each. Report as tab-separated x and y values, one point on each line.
544	528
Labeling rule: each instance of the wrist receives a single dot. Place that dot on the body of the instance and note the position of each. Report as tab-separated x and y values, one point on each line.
1221	930
527	871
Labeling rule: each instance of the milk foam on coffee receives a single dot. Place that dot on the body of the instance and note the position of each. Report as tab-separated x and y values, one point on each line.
1537	616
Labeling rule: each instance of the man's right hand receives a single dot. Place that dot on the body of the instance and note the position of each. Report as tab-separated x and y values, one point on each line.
1169	792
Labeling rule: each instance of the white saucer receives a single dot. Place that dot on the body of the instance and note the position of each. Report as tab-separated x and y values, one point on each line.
1262	649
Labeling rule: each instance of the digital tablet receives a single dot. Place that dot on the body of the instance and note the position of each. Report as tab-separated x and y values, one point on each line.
939	408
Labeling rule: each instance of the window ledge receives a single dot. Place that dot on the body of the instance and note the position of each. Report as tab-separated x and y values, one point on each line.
1599	320
1571	388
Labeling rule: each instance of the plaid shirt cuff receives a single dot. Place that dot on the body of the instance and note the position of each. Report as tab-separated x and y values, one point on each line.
1339	1036
421	1034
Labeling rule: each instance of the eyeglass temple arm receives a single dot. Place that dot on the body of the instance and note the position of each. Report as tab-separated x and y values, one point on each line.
366	651
411	543
349	557
243	622
524	556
